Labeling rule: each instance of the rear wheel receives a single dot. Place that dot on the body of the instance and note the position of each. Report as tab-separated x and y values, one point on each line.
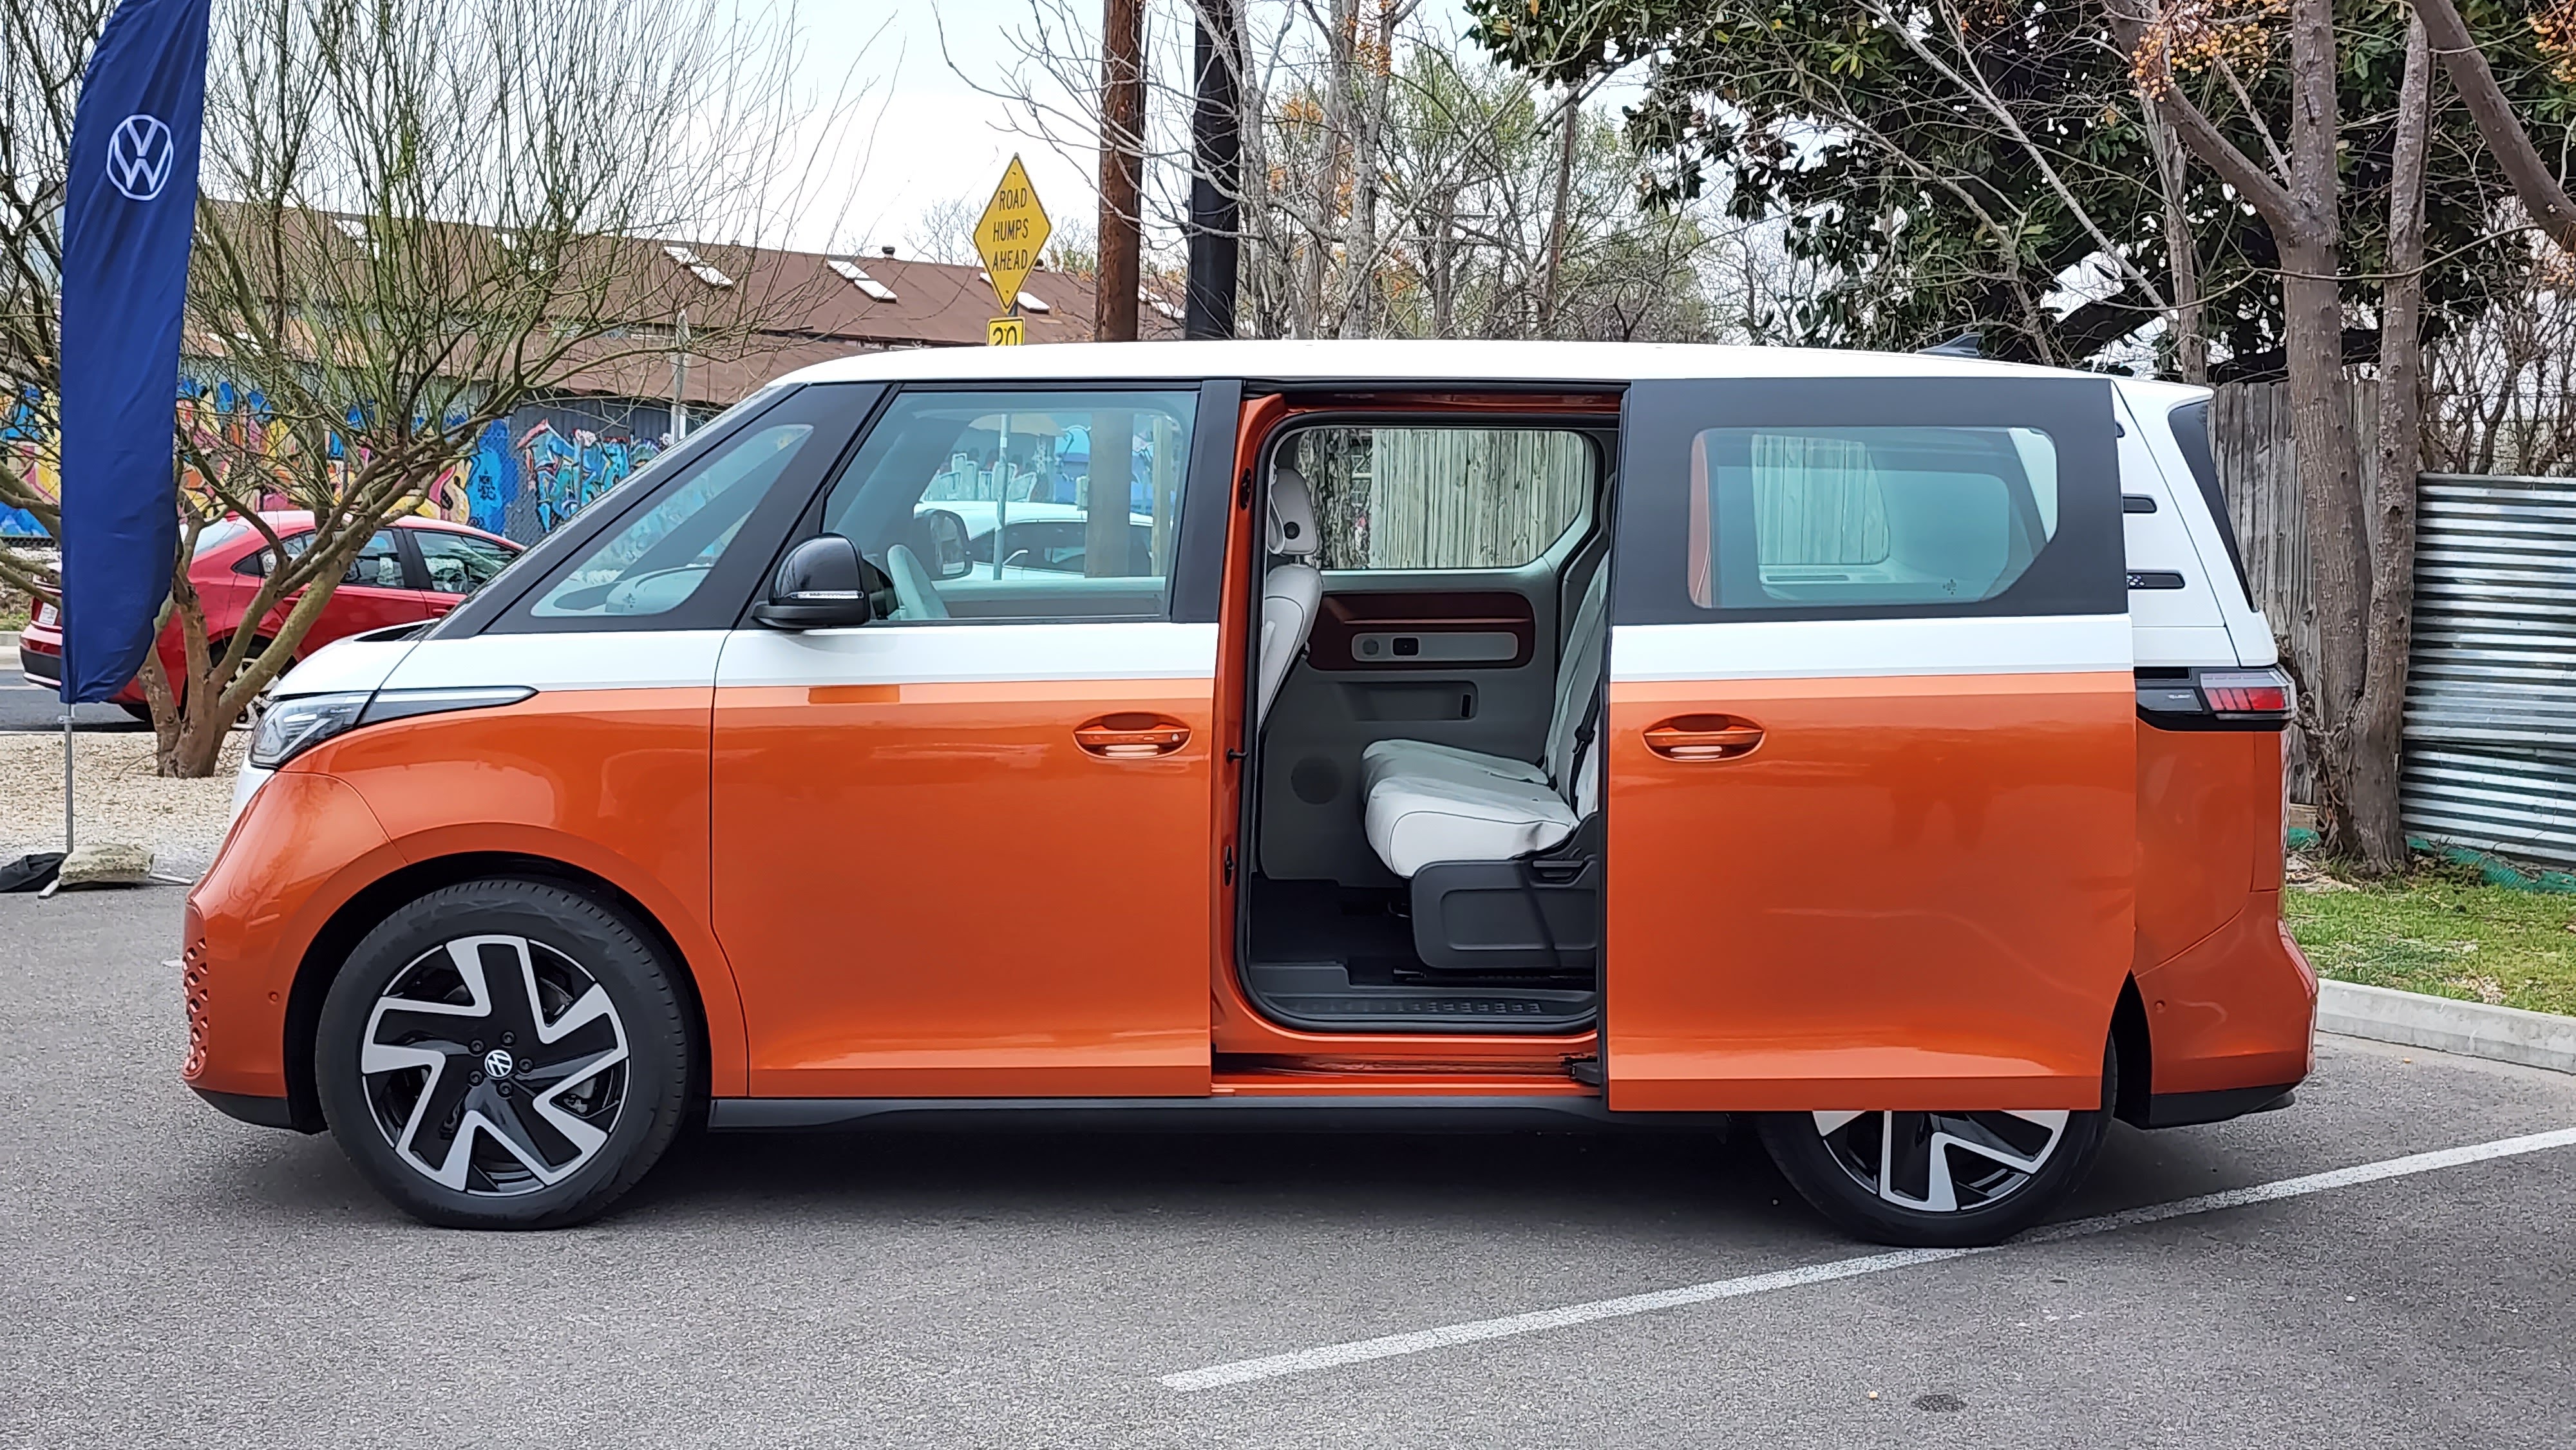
1938	1180
504	1054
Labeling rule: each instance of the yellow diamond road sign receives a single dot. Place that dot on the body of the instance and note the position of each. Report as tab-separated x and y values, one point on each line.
1012	229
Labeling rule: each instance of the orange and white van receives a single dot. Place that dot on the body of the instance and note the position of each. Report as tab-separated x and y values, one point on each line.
1882	747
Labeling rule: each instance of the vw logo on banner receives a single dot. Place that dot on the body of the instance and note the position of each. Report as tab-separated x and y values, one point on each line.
139	153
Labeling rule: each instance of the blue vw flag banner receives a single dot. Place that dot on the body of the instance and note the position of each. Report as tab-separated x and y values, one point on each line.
128	212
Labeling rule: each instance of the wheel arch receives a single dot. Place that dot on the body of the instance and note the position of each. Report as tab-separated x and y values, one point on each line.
339	936
2133	1045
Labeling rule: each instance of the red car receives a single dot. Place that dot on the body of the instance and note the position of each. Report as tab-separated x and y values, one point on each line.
413	570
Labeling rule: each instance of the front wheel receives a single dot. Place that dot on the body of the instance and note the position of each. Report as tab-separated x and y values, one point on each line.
1938	1180
504	1054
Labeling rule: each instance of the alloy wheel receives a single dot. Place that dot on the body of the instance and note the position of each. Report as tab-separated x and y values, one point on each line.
494	1065
1942	1162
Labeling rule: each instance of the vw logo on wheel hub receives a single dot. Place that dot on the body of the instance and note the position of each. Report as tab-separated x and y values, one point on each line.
498	1063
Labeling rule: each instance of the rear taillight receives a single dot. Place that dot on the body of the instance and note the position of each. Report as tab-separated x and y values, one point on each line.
2262	694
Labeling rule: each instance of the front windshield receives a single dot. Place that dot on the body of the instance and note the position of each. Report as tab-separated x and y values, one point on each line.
657	561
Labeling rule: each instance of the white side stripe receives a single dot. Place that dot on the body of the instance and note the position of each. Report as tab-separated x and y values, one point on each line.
1388	1346
971	653
1810	648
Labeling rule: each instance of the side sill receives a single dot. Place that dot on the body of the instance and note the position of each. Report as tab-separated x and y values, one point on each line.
2183	1110
1393	1113
260	1112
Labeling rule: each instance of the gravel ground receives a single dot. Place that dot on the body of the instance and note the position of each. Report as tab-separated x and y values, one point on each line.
120	799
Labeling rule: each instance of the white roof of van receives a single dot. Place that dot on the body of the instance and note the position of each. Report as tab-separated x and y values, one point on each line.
1390	361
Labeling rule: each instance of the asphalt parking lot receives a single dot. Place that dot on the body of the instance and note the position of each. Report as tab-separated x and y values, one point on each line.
28	706
173	1278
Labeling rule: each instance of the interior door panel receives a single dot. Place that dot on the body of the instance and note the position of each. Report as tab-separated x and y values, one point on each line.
1393	629
1470	667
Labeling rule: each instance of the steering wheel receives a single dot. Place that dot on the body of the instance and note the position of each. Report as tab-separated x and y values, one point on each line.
916	597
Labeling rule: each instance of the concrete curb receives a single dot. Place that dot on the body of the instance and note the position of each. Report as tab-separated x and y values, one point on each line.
2472	1029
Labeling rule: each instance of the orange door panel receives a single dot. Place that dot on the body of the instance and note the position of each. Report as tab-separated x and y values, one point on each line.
1900	892
968	861
1871	742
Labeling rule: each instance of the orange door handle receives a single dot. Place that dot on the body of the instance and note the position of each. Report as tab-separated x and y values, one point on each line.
1131	737
1703	737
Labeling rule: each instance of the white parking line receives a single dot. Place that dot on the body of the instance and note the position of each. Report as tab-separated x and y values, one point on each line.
1388	1346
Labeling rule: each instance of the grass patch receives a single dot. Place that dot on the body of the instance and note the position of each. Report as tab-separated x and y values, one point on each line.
2443	932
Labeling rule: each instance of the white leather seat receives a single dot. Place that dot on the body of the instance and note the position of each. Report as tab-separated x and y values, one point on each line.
1292	589
1436	802
1428	802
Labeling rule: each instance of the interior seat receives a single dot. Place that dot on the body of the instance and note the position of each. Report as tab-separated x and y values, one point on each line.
1428	802
1292	589
1576	683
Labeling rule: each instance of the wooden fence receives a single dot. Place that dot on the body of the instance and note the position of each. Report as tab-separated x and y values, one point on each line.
1444	498
2258	469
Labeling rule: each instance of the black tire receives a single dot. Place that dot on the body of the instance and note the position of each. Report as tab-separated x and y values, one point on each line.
541	1133
1816	1165
136	710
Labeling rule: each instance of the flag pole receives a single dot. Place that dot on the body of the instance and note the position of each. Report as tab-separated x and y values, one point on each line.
67	780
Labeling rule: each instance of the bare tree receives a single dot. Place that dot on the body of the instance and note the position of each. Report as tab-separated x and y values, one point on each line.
1389	186
411	226
945	231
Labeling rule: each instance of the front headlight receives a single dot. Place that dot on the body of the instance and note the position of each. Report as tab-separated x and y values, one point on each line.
299	722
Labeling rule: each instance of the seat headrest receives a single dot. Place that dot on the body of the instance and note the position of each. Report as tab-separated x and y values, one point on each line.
1292	514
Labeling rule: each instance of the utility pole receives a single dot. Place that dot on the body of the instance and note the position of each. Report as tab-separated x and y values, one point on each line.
1216	181
1122	145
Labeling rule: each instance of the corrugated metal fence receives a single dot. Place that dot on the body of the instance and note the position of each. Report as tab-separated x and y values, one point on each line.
2491	690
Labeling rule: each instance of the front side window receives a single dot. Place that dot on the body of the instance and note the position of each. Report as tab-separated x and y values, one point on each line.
1444	498
460	563
1020	506
653	564
1796	517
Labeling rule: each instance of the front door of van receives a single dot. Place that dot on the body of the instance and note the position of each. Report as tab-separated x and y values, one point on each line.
964	850
1871	746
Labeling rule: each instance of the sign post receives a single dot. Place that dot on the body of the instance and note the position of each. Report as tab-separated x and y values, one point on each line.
1014	226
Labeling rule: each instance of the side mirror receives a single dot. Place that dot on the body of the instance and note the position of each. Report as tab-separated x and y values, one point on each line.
820	586
940	541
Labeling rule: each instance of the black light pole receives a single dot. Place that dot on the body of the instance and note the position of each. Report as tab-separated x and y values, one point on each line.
1216	178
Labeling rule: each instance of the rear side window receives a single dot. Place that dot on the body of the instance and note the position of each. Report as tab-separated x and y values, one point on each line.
1791	517
2190	424
1444	498
460	563
1820	498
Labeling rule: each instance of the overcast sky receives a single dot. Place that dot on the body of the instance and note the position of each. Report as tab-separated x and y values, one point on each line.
929	134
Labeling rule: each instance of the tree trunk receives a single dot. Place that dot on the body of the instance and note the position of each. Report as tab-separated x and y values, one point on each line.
1328	223
1122	129
1556	218
2191	341
2321	416
2330	489
2379	835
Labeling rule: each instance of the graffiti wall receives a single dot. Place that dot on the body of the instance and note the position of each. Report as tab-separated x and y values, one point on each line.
522	477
